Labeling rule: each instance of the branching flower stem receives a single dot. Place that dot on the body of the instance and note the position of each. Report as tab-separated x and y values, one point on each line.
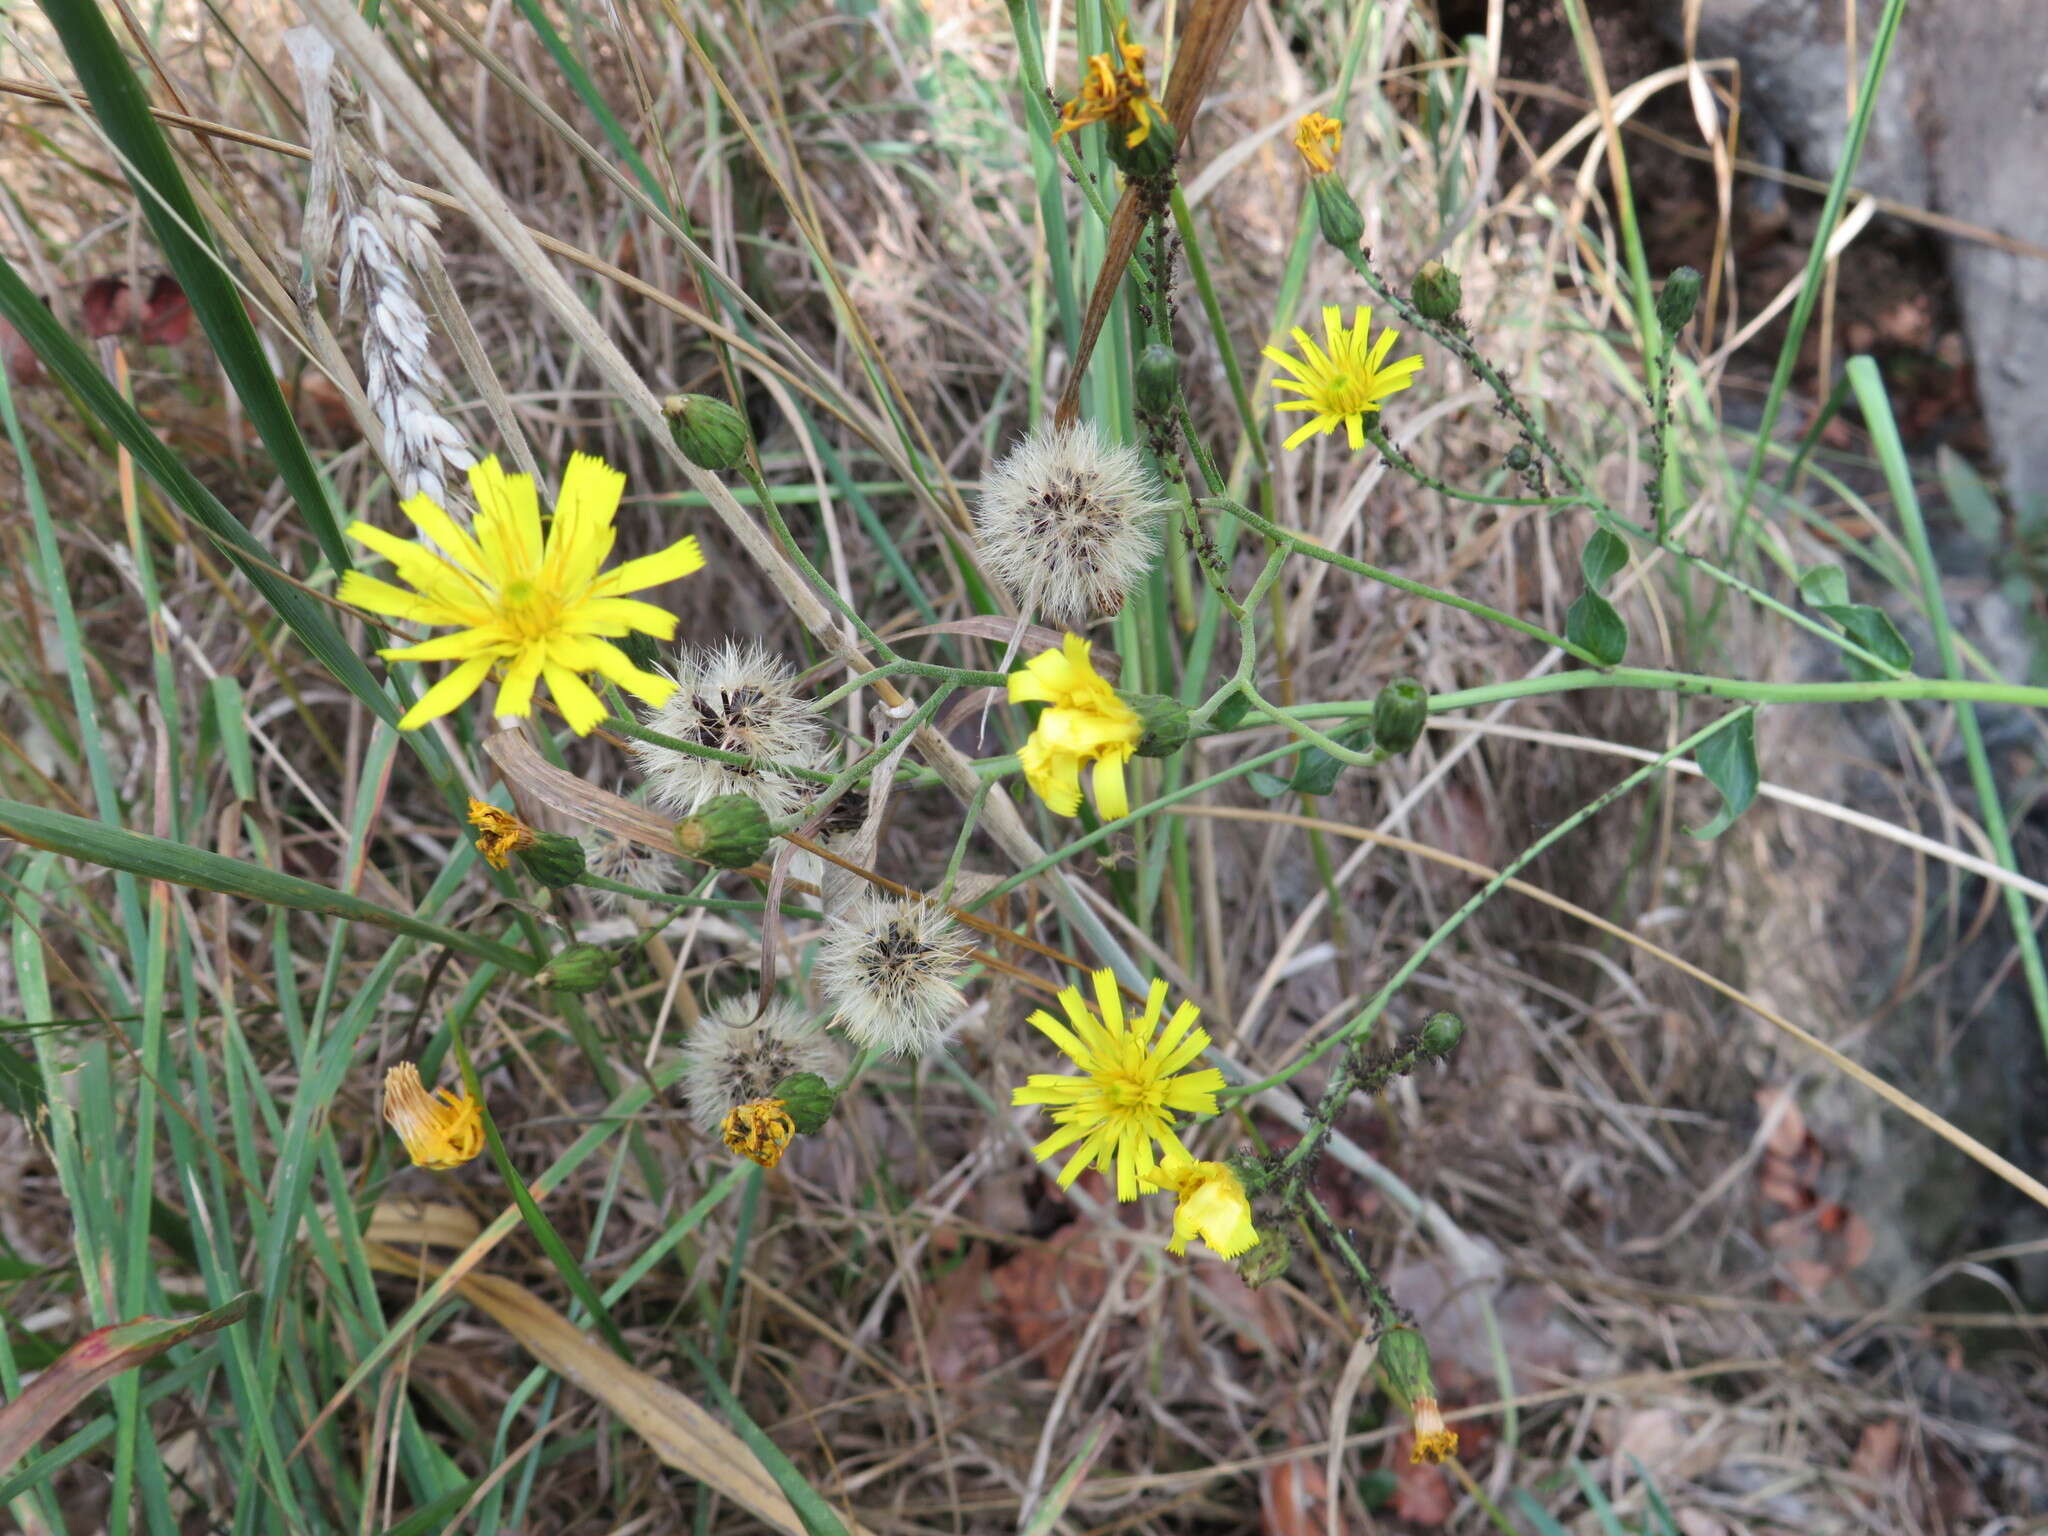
1362	1024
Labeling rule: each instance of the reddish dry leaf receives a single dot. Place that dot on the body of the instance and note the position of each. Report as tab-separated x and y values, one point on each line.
1049	1292
108	306
95	1359
1291	1499
961	1337
1422	1493
1877	1451
1789	1135
18	357
166	316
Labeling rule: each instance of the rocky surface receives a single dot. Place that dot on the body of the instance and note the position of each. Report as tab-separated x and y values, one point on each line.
1961	127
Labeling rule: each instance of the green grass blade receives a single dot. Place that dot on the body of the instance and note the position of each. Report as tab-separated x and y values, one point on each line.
154	858
1891	453
181	231
307	617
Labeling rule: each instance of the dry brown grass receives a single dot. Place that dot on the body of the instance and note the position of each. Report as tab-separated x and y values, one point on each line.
930	1330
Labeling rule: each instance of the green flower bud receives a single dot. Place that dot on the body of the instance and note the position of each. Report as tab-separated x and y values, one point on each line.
552	859
1404	1356
1437	291
577	968
1267	1261
1441	1033
1165	720
711	433
643	650
1342	224
1681	296
730	831
1255	1173
1151	157
1518	458
1157	377
807	1099
1398	715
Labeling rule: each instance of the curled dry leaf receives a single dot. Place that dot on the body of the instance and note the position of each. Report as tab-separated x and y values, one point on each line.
677	1430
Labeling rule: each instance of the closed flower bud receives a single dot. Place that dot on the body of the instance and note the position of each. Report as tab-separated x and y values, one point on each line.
1151	156
577	968
1165	720
552	859
808	1099
1157	378
711	433
1398	715
730	831
1404	1356
1681	296
1267	1262
1518	458
1441	1033
643	650
1336	214
1437	291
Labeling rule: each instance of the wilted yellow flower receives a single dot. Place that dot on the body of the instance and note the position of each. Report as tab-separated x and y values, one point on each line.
760	1131
1346	384
1133	1085
1084	721
1115	93
1212	1205
1318	139
1434	1440
536	599
441	1130
499	834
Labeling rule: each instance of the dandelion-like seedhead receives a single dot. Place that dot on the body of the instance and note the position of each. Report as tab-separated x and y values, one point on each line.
735	698
733	1058
891	970
1069	522
611	857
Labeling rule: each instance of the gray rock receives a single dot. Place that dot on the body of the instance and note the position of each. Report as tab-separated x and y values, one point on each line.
1961	127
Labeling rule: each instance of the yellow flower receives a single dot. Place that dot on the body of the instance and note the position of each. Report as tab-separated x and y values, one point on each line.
760	1131
443	1129
1084	721
499	834
1317	139
1346	384
1133	1087
535	599
1116	94
1212	1205
1434	1440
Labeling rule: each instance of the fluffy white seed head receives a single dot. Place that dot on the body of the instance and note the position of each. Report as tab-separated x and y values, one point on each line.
611	857
733	1058
738	699
1069	522
891	970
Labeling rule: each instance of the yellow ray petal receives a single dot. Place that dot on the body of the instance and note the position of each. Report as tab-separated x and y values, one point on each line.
682	558
448	694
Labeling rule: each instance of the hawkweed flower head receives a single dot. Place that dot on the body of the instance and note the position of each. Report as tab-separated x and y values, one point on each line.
760	1131
734	698
732	1058
1114	91
499	834
1318	140
1346	383
441	1130
891	969
1134	1081
1211	1205
1069	522
534	599
1435	1441
1084	722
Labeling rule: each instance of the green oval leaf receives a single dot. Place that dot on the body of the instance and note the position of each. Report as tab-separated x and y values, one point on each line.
1603	555
1728	759
1595	628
